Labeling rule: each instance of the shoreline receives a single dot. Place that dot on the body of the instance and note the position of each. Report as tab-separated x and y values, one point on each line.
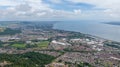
93	35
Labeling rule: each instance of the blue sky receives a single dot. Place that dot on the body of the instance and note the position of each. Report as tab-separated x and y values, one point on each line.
60	10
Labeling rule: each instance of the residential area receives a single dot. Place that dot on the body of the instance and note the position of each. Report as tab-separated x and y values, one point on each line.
70	49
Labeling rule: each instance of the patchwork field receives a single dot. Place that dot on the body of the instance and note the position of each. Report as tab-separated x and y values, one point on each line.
19	45
43	44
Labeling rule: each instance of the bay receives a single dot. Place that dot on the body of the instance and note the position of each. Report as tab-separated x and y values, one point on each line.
107	31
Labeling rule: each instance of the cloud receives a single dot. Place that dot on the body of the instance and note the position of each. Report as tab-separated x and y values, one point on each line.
30	9
7	3
23	7
111	6
59	9
77	11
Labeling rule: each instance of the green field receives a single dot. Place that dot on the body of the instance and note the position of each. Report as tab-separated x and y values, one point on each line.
19	45
40	44
43	44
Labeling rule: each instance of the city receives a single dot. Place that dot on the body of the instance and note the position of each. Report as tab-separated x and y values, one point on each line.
70	49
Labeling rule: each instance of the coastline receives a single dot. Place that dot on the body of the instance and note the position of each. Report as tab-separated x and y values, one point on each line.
106	32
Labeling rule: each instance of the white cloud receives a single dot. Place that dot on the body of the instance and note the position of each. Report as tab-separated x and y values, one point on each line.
23	7
37	9
33	9
111	5
77	11
7	3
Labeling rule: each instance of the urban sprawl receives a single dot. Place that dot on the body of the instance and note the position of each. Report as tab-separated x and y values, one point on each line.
69	49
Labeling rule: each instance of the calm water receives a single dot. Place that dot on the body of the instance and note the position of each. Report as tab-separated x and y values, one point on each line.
111	32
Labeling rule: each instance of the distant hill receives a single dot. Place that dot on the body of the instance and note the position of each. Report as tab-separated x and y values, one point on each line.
113	23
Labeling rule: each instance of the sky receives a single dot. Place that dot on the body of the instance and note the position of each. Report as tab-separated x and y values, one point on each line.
12	10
